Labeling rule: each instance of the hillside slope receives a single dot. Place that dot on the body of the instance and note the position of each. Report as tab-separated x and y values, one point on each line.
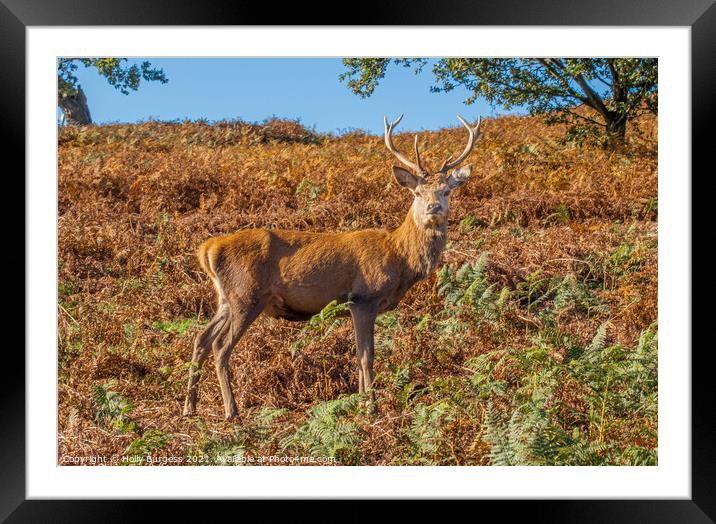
534	344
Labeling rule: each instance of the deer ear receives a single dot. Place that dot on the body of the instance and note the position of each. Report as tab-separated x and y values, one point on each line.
405	178
459	177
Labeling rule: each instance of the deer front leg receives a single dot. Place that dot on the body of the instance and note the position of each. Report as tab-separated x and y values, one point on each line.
364	327
359	358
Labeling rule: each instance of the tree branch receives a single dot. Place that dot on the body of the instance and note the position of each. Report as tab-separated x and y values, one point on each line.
596	100
591	120
565	84
608	84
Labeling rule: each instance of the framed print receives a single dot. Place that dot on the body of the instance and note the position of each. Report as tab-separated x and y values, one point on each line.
281	269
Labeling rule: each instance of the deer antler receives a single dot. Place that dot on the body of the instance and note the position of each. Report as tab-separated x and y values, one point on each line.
417	155
474	135
418	168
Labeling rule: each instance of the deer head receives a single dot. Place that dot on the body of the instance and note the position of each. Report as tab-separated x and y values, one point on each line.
431	189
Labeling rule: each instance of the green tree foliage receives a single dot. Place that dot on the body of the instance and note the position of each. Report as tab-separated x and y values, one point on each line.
617	89
124	78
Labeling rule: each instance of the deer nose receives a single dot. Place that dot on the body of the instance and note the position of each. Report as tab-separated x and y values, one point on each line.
433	208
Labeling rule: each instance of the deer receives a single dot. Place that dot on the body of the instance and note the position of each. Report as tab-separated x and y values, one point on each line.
294	274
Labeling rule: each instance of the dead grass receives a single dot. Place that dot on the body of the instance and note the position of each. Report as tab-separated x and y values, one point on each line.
136	200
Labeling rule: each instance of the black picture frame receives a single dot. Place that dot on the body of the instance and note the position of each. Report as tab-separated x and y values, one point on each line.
699	15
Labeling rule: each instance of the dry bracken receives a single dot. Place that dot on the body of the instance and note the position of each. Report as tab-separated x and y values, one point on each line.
567	239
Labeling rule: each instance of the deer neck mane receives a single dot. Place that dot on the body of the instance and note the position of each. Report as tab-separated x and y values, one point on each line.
419	246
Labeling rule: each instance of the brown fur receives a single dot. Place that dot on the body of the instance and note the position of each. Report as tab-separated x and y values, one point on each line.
301	272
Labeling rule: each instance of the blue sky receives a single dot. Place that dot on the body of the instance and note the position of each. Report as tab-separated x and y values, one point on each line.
256	88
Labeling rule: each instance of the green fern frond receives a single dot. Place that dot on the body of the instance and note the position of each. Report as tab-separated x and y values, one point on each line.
599	341
329	431
321	325
535	426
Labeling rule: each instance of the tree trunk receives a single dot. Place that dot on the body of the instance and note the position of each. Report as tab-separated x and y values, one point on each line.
74	108
616	130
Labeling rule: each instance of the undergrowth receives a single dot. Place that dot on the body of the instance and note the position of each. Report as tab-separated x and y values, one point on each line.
535	343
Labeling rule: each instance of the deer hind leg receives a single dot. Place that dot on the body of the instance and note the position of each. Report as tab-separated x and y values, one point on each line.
202	345
364	327
242	316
